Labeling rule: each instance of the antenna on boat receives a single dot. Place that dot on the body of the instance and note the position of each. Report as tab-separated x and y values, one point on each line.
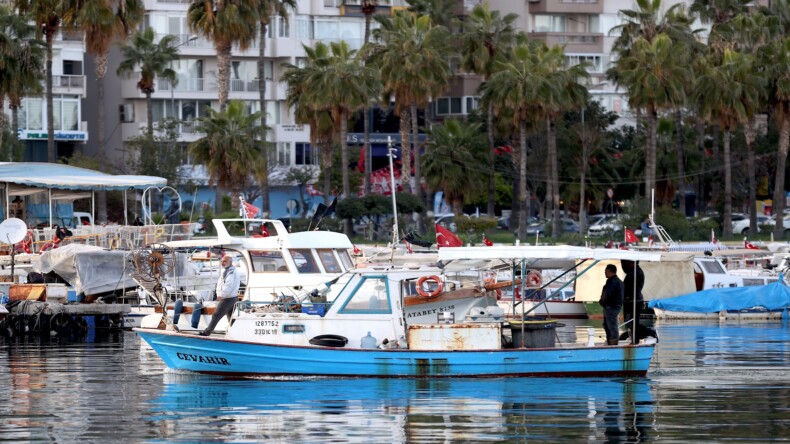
658	230
391	155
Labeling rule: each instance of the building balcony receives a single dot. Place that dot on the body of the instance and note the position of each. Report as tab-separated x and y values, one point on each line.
566	6
574	42
62	84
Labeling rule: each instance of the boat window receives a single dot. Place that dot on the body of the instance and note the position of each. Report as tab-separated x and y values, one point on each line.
712	267
268	262
305	262
370	297
345	259
328	259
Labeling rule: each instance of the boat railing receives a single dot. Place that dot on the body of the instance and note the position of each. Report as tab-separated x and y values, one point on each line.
110	236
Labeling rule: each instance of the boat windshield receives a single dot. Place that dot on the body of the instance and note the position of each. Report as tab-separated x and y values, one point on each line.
268	261
370	297
330	262
305	261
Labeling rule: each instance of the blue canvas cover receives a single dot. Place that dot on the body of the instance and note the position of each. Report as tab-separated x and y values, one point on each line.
774	296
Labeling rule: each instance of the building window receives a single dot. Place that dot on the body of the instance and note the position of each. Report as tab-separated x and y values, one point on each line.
303	27
31	114
306	154
449	105
549	23
283	153
66	113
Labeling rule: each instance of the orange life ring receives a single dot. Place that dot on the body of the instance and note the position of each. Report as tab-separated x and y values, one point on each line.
429	294
488	283
534	279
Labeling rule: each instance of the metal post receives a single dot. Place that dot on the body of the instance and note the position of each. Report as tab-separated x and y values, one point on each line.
391	154
50	206
7	202
125	209
93	204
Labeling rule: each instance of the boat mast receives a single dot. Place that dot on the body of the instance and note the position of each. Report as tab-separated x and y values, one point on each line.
391	155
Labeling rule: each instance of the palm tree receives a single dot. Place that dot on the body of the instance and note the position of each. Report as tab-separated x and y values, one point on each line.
267	9
514	88
224	22
453	158
647	23
104	22
655	73
154	60
230	147
411	79
729	92
21	63
778	70
342	85
47	16
441	12
487	36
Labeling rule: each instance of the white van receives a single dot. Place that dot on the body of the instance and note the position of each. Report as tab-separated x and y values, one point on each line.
80	219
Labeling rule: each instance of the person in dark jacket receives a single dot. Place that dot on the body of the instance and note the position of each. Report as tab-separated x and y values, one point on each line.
612	302
633	284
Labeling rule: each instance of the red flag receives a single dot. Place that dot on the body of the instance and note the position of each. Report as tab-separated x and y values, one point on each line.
748	245
630	237
408	247
356	249
650	241
445	238
487	241
361	161
250	210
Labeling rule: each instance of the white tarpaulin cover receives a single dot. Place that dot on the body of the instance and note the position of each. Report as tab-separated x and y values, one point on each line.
53	175
90	270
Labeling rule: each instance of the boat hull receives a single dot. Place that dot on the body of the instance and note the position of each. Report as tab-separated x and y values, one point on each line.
742	315
552	309
211	355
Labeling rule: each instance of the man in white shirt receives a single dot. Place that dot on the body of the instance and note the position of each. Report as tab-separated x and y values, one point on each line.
227	293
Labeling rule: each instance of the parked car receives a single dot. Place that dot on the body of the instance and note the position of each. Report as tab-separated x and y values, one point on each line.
540	226
611	225
742	226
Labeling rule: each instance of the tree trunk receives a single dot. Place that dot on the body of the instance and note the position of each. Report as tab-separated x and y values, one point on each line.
149	110
781	162
223	73
264	179
701	200
366	124
326	166
2	128
101	72
681	161
583	186
522	174
344	166
554	178
405	152
217	199
491	161
749	135
51	153
727	186
14	134
416	186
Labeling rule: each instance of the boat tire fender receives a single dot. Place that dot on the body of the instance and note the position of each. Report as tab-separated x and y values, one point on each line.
329	341
429	294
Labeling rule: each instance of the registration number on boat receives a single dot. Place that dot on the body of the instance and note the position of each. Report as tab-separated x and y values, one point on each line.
262	330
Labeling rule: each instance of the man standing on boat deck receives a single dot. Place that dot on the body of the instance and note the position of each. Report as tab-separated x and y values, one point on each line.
227	293
633	283
612	302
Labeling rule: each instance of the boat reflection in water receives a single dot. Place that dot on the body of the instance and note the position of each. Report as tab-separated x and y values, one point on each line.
404	410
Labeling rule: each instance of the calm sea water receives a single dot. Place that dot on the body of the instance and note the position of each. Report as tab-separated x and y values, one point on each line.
709	382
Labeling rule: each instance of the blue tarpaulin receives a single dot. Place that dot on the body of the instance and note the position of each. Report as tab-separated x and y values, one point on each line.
774	296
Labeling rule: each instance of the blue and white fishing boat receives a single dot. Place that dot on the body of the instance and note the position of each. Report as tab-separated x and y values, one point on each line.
393	321
769	301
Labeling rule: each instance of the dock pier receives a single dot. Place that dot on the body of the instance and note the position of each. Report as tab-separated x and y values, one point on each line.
47	318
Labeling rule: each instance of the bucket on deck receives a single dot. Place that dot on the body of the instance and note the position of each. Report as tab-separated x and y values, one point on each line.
537	332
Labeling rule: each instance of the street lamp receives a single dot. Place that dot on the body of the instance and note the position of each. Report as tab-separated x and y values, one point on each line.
191	38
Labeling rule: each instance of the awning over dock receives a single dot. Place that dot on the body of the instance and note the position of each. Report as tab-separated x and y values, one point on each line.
67	177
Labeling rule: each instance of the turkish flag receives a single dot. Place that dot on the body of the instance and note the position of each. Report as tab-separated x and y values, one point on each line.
446	238
748	245
250	210
630	237
487	241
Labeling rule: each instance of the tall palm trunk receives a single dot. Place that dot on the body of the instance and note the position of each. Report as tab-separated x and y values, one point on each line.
650	152
223	73
264	179
326	166
2	127
681	161
727	186
149	111
750	135
700	127
101	72
583	183
491	160
554	177
51	154
14	124
217	199
416	188
522	175
781	162
405	151
344	159
366	124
